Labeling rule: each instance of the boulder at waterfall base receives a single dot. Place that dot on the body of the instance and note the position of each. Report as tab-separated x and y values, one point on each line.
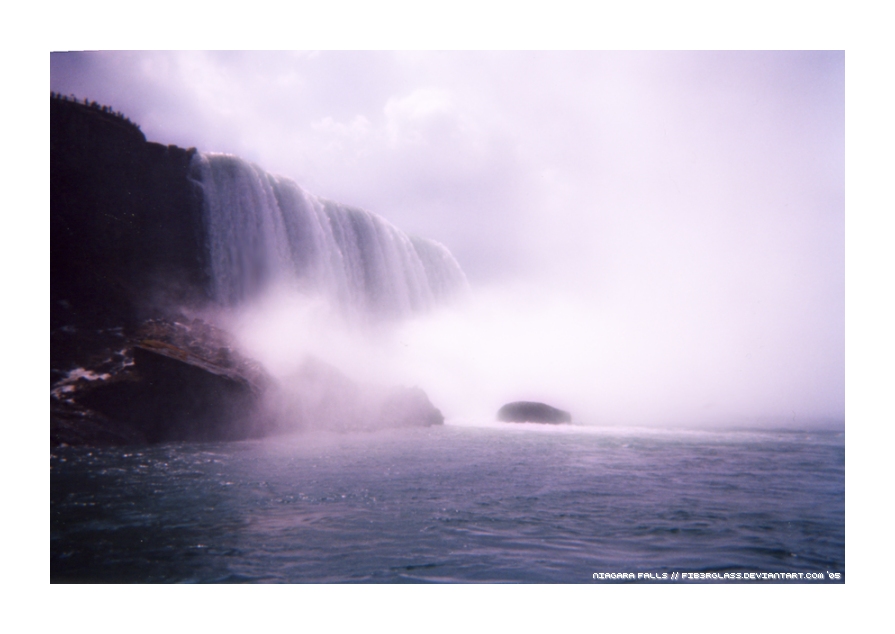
532	412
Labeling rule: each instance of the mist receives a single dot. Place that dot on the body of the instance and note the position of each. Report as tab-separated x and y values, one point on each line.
650	238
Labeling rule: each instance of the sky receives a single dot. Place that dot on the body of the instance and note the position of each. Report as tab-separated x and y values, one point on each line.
653	235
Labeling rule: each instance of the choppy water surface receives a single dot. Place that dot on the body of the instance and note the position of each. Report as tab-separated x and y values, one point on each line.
494	504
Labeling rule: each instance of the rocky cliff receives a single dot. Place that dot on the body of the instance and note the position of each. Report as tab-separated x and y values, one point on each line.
128	262
125	221
126	254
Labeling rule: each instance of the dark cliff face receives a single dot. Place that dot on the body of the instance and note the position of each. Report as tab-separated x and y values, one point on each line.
127	260
125	222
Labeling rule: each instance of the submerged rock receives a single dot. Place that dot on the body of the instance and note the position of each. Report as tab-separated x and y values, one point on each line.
531	412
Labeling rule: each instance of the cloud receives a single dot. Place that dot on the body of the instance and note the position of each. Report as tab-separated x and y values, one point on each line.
414	117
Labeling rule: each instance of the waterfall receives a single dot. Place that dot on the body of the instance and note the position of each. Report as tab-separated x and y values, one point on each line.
263	229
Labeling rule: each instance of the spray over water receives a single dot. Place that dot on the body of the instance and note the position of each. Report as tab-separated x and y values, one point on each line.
312	288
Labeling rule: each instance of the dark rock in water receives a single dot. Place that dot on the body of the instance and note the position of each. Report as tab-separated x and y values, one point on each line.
75	425
169	381
530	412
320	397
409	407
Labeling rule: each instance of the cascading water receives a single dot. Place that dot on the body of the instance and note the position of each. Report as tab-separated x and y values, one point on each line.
262	229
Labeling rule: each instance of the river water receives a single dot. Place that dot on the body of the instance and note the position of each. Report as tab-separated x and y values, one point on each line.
458	503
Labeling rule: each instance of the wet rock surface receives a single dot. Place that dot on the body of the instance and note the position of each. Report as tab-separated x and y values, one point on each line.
183	380
409	407
168	380
320	397
532	412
